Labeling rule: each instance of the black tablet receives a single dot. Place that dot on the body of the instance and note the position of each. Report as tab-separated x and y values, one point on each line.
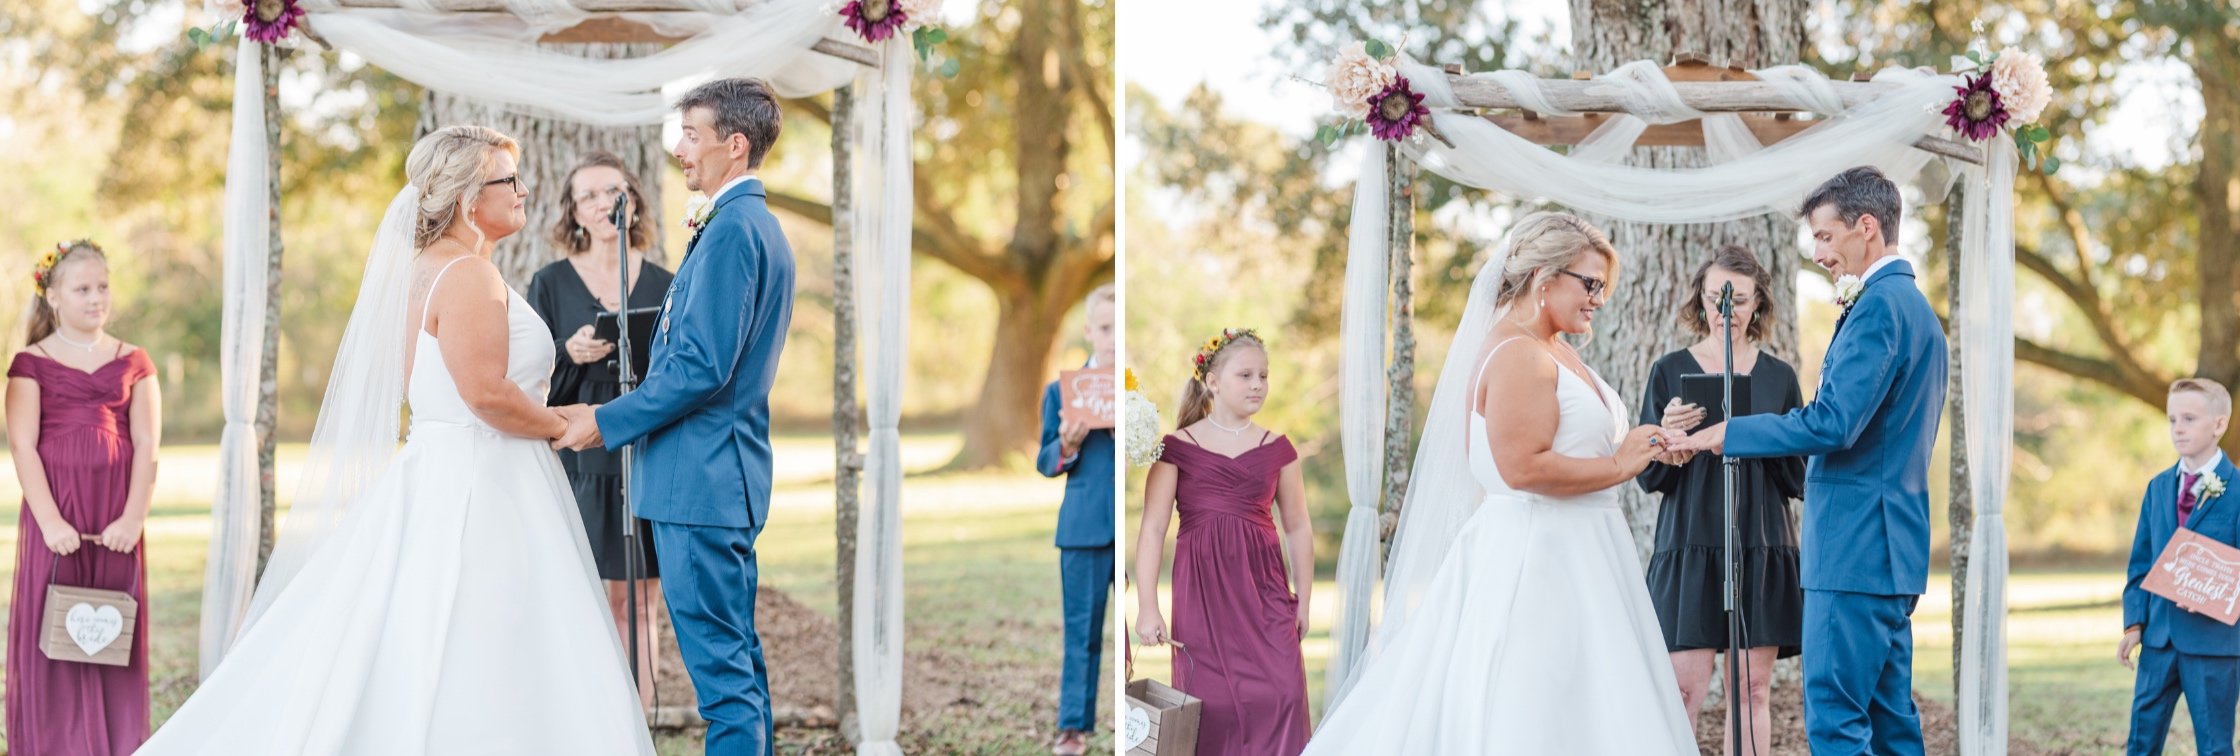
608	324
1705	390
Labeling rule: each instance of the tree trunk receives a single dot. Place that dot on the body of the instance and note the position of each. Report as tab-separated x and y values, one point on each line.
2217	183
549	147
1961	513
1002	422
268	373
846	416
1638	326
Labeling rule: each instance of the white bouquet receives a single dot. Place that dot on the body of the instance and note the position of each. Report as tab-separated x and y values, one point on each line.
1140	428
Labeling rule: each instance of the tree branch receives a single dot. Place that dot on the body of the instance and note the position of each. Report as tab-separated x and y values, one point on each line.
958	252
2087	301
2079	237
2144	388
1076	61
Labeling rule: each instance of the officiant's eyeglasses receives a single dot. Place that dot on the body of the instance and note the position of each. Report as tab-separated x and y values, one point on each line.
1594	285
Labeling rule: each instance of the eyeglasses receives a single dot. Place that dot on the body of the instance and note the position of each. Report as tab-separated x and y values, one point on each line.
1594	285
1711	303
513	182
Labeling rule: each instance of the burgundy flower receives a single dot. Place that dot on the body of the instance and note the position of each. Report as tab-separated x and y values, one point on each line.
874	20
1396	112
1978	112
270	21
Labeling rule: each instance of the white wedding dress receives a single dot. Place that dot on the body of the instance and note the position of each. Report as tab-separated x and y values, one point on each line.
1536	636
453	610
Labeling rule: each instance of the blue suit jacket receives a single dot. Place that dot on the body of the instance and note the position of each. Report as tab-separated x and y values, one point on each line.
1869	430
2217	519
1085	517
701	415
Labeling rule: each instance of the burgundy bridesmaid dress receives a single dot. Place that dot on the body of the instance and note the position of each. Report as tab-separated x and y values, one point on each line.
85	439
1234	612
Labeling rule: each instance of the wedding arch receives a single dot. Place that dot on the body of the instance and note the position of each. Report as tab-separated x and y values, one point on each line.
1772	136
488	50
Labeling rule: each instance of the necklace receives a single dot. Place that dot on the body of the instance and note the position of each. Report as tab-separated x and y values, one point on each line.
1232	431
79	344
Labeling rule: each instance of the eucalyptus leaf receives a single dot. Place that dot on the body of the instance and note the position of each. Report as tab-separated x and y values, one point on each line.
2039	133
949	68
199	37
2052	164
1376	48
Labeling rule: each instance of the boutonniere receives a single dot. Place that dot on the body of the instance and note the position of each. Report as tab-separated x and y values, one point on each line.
697	211
1847	291
2208	486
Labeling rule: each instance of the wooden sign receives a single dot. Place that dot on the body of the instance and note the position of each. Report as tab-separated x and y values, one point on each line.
1089	396
88	625
1161	721
2200	575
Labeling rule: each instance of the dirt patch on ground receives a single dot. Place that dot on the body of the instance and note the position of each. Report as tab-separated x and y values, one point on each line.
801	647
1938	728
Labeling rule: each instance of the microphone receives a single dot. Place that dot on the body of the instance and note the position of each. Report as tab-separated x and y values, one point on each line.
621	214
1726	300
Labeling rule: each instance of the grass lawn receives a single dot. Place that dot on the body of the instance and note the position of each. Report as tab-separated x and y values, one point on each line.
2066	691
980	573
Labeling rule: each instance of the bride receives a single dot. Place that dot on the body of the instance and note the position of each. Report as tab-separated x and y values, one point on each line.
437	598
1516	617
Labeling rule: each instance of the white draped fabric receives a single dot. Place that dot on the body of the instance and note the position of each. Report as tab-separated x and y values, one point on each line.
230	574
1362	364
1987	361
494	57
881	224
1746	179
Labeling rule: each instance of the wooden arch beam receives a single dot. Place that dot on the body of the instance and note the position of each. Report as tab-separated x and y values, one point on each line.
1705	87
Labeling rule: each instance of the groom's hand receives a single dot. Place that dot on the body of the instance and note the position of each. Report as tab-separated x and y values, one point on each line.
583	428
1712	439
2129	643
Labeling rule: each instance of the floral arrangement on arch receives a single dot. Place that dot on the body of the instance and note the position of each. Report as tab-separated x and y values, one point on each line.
1371	93
879	20
2005	92
271	22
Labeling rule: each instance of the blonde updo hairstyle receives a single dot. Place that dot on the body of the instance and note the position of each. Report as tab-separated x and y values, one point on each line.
1543	244
449	165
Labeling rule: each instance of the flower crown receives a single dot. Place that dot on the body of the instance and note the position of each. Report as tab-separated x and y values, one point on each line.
1214	346
43	273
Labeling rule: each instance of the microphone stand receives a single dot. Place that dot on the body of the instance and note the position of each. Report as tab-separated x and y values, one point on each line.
1728	465
627	374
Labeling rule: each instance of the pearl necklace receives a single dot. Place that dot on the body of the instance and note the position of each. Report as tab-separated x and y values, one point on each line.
1232	431
79	344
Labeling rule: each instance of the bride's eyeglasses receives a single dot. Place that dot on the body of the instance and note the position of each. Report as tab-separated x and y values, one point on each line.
512	182
1594	285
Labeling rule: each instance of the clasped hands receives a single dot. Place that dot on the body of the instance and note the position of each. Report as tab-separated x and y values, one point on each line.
1682	418
583	428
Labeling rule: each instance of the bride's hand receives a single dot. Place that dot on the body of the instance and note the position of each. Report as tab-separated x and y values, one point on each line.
1641	447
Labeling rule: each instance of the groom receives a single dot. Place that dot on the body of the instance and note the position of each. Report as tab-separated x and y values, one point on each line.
1869	430
701	417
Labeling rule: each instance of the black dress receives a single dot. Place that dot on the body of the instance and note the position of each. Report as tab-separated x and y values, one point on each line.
1684	573
559	295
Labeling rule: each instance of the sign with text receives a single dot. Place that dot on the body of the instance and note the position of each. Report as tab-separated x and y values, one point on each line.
2199	574
1089	396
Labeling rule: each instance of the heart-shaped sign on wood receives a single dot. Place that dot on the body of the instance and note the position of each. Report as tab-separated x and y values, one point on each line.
1138	729
94	629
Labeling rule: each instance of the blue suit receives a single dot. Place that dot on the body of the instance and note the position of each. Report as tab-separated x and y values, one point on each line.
2180	651
1085	557
701	422
1865	546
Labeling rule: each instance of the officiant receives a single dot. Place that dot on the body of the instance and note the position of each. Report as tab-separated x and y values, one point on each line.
1685	579
569	294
